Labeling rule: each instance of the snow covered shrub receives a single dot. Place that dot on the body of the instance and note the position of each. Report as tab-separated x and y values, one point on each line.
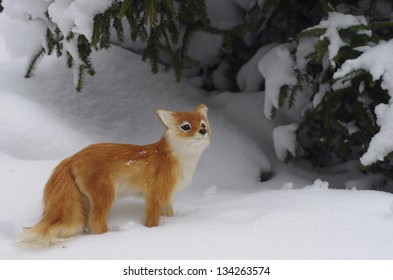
270	22
76	28
332	88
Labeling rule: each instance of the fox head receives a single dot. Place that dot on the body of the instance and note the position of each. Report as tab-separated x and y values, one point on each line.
188	129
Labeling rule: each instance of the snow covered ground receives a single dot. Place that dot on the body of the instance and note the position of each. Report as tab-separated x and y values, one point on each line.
226	213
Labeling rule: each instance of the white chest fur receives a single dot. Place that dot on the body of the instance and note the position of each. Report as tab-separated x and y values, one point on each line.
187	152
187	166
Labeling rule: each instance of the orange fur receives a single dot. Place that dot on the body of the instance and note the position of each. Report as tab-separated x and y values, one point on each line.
80	192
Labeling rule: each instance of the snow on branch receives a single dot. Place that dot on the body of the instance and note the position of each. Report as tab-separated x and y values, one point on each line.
277	67
329	30
378	61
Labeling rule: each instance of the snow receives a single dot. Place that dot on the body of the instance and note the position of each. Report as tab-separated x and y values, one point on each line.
225	13
60	12
4	55
44	133
333	24
381	144
378	61
284	138
83	14
277	67
318	185
304	48
351	127
69	15
226	213
248	78
26	9
365	183
20	32
205	47
318	97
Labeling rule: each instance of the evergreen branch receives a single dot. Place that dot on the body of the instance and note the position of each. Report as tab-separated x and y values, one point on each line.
151	51
351	75
321	48
173	31
118	26
54	41
345	53
170	7
283	95
311	32
70	60
326	7
133	22
186	41
70	36
150	11
380	25
125	6
355	36
298	87
33	63
161	25
166	39
50	41
58	43
273	113
363	115
81	77
381	30
101	30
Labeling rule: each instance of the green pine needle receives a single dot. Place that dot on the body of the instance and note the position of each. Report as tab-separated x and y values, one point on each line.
33	63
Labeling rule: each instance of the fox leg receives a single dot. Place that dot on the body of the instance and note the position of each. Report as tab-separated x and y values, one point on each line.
100	204
152	210
166	209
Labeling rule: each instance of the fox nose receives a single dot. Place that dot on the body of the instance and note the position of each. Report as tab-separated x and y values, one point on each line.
202	131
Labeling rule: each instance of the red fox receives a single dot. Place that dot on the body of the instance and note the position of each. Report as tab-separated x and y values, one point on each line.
79	194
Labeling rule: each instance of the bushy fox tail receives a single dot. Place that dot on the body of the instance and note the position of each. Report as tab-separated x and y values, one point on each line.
65	211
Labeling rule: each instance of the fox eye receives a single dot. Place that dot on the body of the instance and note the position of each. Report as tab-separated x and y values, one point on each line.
185	127
203	124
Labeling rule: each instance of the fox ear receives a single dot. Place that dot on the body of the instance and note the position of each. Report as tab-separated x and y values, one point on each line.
166	117
202	109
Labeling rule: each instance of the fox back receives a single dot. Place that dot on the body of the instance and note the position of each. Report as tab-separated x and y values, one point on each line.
80	192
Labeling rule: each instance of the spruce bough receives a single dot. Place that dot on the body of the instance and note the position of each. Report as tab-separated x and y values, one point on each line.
165	28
